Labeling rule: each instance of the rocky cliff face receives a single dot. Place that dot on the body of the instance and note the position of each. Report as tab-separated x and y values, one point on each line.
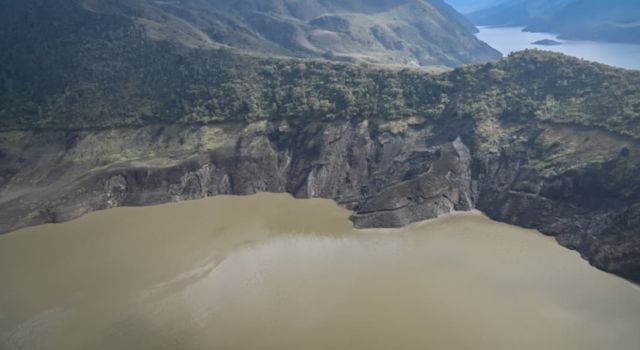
391	174
579	185
587	203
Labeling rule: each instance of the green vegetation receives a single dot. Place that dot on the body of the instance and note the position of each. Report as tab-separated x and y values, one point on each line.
552	87
210	86
110	74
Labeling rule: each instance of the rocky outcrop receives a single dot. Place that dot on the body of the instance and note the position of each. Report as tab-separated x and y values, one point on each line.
390	174
579	185
445	187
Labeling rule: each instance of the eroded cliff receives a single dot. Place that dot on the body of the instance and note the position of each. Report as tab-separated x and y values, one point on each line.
578	184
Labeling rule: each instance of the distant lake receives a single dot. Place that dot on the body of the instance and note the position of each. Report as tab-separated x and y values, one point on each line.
509	39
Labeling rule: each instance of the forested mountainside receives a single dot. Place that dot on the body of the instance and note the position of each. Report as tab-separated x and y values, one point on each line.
615	20
410	32
134	81
95	70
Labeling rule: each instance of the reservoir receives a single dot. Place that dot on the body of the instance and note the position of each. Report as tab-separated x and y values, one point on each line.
510	39
272	272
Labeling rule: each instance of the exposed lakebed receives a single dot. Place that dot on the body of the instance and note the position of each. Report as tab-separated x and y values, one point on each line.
271	272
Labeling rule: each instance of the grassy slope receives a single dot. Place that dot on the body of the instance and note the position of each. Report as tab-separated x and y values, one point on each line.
382	31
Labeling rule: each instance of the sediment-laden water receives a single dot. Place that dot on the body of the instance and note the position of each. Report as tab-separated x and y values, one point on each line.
272	272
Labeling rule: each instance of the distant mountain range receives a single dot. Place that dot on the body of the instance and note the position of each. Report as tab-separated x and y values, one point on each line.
612	20
407	32
518	12
467	6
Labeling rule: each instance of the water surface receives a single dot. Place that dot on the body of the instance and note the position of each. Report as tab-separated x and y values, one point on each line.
271	272
510	39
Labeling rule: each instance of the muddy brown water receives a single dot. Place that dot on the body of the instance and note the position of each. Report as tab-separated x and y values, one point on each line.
272	272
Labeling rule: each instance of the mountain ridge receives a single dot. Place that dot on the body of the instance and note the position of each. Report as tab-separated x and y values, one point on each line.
410	32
